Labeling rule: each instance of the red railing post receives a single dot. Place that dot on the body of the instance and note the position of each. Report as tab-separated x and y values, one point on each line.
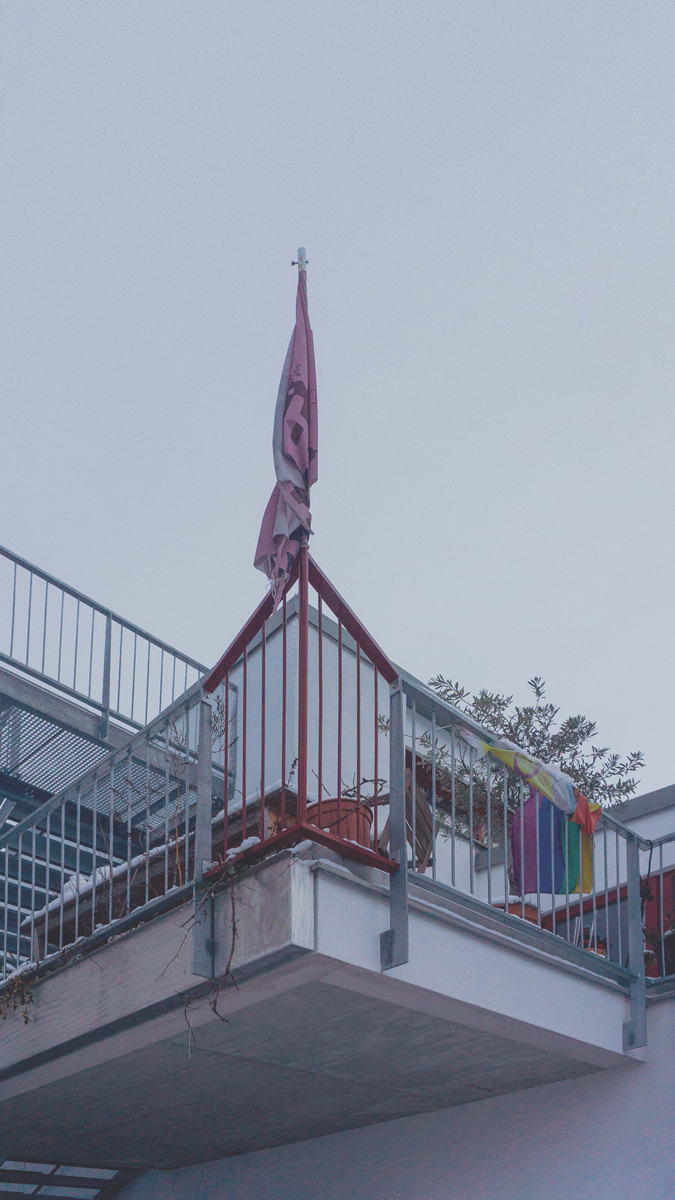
303	664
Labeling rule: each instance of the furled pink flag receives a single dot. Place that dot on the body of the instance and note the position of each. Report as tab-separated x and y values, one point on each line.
286	524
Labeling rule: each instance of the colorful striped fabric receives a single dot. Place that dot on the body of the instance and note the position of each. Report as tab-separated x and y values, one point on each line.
561	842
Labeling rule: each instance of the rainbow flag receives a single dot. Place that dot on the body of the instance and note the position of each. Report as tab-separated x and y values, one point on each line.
562	850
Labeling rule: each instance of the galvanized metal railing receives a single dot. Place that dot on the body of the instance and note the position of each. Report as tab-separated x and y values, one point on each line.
461	811
56	634
319	736
303	718
134	829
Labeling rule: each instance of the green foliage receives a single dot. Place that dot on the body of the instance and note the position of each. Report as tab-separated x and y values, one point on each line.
16	994
604	777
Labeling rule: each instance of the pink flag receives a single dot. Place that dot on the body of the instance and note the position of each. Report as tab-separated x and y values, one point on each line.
286	524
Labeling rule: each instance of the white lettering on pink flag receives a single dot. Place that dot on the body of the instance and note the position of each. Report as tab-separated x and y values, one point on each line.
286	524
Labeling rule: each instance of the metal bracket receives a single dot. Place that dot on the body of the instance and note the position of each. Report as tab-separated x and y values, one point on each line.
203	946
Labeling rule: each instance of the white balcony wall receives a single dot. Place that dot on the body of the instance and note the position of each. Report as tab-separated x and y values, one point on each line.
273	716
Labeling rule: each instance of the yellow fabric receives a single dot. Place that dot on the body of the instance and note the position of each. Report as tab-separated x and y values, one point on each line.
586	863
517	761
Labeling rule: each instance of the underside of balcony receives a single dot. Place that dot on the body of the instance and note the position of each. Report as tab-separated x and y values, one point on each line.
130	1060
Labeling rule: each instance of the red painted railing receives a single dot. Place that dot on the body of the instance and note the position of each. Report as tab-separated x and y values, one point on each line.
305	744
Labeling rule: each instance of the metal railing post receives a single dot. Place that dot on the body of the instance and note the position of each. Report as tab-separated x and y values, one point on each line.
202	928
105	691
303	653
394	941
635	1030
203	847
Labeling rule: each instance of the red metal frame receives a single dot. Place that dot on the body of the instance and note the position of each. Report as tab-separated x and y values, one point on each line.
303	681
344	613
303	832
305	572
245	636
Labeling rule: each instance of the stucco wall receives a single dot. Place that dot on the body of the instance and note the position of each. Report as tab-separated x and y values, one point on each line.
605	1137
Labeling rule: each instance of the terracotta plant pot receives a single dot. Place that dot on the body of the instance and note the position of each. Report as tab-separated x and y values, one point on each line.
353	821
517	910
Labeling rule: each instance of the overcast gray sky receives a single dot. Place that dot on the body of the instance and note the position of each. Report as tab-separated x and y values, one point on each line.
485	191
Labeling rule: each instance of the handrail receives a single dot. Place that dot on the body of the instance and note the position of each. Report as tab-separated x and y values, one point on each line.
180	706
99	608
58	635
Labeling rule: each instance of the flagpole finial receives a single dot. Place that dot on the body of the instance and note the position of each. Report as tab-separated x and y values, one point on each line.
302	261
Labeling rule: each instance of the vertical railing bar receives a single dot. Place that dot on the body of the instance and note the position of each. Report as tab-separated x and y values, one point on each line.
119	671
30	602
606	891
226	757
105	679
339	728
537	808
319	762
505	821
662	941
284	706
173	680
33	954
263	718
48	855
6	930
244	732
78	825
595	910
522	848
618	895
161	681
147	685
471	867
63	870
376	755
58	669
303	682
133	676
358	731
413	781
44	627
147	821
111	840
19	899
91	649
186	678
433	793
567	882
186	814
453	793
129	794
94	851
554	906
488	794
77	638
166	806
11	632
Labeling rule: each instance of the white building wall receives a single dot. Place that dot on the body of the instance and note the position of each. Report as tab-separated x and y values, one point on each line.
604	1137
273	716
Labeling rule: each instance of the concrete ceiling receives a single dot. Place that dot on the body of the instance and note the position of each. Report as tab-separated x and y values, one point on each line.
315	1060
